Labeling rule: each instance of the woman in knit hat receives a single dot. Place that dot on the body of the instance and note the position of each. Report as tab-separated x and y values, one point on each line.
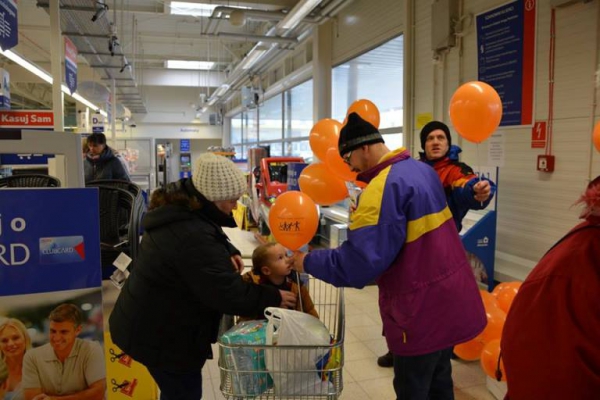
186	276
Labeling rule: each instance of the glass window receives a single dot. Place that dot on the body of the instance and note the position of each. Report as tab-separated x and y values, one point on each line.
394	140
239	152
250	127
377	76
236	129
271	119
299	149
299	110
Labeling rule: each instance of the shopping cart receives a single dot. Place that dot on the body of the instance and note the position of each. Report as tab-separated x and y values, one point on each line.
321	381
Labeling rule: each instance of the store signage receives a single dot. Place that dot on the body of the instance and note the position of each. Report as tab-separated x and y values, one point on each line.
9	31
184	145
4	89
505	57
27	119
538	135
70	65
97	123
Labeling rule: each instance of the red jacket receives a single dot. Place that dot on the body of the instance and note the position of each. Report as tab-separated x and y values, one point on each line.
551	339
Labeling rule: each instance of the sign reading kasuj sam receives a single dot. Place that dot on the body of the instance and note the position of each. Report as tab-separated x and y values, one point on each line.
50	279
505	57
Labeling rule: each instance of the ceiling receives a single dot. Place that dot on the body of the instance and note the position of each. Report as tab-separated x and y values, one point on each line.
148	35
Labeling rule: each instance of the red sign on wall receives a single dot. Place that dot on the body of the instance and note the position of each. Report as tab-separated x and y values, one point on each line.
538	135
25	119
29	118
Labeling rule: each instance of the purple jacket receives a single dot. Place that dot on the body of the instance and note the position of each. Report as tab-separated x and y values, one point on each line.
402	234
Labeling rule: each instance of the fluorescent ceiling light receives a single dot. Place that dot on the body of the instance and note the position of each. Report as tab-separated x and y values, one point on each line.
221	90
194	9
252	57
182	64
48	78
300	10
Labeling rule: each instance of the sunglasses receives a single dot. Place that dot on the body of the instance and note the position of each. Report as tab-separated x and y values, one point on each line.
346	158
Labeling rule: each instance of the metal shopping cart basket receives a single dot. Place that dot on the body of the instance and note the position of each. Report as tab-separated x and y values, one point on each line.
321	381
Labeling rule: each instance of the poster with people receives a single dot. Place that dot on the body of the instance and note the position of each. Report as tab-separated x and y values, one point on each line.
51	322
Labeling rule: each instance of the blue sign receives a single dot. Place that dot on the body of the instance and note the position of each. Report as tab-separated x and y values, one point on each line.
294	171
9	31
25	159
97	123
4	90
505	57
71	76
184	145
49	240
70	65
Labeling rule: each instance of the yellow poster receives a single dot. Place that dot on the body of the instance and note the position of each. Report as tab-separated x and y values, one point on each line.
423	119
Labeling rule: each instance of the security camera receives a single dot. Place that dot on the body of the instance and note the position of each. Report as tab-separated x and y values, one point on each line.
113	42
100	11
133	125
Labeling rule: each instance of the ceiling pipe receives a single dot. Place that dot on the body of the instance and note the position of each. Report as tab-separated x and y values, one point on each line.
252	38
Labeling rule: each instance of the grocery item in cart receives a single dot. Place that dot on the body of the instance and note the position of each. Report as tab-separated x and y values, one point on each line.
251	377
300	342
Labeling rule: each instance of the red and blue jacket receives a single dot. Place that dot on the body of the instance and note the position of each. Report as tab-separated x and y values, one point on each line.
402	235
458	180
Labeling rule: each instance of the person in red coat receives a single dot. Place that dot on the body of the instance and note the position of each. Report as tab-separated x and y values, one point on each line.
551	339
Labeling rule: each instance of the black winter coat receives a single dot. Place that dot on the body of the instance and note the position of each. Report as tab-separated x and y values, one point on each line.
168	312
107	166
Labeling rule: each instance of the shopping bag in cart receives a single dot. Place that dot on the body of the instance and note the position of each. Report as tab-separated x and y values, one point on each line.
299	342
245	364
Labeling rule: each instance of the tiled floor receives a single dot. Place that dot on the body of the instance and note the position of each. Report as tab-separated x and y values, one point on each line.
363	379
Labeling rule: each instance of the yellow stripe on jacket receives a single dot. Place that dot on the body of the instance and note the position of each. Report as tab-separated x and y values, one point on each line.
426	223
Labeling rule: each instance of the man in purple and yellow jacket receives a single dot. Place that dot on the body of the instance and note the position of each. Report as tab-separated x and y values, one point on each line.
402	235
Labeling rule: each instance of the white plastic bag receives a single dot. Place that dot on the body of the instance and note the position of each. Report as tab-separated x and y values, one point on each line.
294	369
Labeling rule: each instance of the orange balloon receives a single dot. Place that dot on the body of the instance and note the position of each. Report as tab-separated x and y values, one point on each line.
336	164
495	323
475	111
506	294
367	111
293	219
596	137
489	359
324	135
321	185
489	300
471	350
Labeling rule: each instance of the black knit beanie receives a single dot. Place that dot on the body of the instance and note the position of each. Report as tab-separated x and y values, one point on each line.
357	132
432	126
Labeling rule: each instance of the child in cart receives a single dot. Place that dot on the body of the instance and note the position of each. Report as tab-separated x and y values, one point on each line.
272	266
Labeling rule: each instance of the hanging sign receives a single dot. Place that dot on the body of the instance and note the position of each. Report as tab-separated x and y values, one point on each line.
31	119
9	31
4	89
505	57
97	123
70	65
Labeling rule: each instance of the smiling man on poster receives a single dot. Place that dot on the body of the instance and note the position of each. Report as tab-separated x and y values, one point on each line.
67	368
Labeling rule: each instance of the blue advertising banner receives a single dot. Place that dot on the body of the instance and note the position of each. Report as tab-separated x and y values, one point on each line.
4	90
294	171
25	159
9	31
184	145
49	240
505	57
97	123
70	65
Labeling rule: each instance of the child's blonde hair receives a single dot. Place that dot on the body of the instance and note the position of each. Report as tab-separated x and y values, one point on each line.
260	257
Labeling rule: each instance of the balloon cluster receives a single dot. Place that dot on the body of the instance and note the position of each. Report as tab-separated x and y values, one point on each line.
293	218
486	346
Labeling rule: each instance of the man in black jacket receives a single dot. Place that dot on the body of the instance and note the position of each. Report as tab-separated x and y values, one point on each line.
185	278
101	162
